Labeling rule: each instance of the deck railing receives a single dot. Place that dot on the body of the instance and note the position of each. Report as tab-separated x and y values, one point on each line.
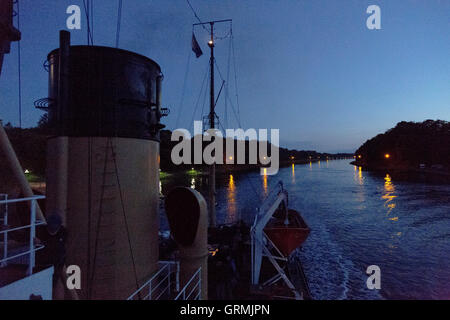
4	224
194	285
165	284
159	286
32	248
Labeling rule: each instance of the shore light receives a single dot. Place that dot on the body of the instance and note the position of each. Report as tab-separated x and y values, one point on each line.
387	155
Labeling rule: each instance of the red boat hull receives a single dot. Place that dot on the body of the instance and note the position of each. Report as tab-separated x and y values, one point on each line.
289	237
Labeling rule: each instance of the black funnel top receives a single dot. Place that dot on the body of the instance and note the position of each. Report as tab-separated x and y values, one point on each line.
110	93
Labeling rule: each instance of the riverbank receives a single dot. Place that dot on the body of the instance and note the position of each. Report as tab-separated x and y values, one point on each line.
408	173
231	168
37	182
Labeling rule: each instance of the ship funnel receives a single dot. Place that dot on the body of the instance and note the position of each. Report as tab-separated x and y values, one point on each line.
103	164
188	221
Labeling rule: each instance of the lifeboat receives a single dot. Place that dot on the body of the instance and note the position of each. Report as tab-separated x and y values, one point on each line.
287	230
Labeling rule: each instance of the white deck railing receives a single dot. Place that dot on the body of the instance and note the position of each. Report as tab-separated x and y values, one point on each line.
195	287
160	284
32	248
4	224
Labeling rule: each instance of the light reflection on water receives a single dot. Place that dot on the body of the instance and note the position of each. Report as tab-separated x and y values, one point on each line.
293	174
265	182
232	215
357	219
389	195
358	175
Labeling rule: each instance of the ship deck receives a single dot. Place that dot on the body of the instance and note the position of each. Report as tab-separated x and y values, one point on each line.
229	269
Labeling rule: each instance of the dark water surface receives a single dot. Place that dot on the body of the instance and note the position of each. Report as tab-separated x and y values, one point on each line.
357	219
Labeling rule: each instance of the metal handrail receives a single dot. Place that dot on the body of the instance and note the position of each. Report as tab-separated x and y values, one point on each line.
165	266
37	224
5	225
36	248
37	197
197	285
31	252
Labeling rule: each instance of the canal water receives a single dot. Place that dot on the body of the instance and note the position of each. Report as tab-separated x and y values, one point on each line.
357	219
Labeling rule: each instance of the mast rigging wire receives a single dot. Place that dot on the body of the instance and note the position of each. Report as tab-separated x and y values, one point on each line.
204	102
19	66
200	94
196	16
92	20
89	201
88	10
87	6
126	222
223	37
180	108
235	77
119	18
100	211
227	81
227	97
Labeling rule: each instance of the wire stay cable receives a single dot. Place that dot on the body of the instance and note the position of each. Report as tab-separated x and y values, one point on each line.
19	66
180	108
119	18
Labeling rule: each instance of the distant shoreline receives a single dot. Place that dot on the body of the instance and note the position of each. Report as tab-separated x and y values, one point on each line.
224	168
435	175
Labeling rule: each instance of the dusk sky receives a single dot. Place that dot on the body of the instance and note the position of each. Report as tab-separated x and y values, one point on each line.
310	68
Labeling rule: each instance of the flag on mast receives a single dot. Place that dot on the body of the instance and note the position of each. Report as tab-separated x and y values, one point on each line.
195	47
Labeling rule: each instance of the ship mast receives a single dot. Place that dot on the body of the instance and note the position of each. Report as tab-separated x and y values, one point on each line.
212	168
212	114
